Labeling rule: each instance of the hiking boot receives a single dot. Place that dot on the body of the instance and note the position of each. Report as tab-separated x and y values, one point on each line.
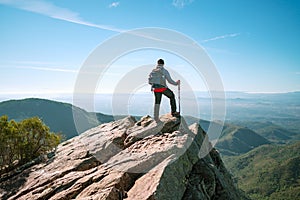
175	114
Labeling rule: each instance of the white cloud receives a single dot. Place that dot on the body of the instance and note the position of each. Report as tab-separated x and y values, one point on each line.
38	65
48	9
221	37
181	3
114	4
48	69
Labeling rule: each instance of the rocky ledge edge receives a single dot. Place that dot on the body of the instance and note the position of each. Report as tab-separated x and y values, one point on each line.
127	159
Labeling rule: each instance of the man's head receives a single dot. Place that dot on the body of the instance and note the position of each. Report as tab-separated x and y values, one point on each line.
160	62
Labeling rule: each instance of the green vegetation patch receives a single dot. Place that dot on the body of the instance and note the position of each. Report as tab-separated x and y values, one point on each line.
21	142
268	172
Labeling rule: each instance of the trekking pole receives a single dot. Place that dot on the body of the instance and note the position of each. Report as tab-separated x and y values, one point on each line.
179	97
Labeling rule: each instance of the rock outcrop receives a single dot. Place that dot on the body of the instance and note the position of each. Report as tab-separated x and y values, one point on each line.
126	159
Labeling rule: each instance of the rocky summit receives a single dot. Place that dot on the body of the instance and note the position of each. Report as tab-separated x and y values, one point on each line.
126	159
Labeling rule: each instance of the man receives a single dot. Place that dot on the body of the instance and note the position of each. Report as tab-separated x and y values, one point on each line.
160	88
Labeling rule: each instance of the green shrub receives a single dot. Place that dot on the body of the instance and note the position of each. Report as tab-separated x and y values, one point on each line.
24	141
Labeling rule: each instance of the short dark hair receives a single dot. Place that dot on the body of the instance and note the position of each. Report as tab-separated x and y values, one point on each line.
161	62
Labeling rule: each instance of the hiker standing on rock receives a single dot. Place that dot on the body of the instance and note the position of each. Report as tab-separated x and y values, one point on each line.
157	79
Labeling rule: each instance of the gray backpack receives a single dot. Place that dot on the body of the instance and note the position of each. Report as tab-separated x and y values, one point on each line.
156	77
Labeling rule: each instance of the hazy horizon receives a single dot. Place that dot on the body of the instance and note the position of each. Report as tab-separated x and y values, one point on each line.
239	105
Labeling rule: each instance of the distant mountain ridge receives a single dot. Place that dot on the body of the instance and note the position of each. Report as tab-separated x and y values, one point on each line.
57	115
236	140
271	131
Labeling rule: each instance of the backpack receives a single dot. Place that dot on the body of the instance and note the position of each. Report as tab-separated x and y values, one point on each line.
156	77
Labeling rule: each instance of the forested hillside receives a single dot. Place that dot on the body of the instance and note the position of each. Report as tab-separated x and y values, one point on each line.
57	115
268	172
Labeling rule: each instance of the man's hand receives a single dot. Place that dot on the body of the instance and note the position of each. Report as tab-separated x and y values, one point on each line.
178	82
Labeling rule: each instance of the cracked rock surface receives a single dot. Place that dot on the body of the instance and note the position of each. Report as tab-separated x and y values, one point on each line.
126	159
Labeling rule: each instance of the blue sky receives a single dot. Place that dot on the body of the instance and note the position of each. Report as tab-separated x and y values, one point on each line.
254	44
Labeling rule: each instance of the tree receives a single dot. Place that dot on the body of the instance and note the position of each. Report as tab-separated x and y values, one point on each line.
23	141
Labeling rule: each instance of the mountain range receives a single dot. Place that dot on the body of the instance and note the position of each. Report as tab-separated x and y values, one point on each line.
273	132
236	138
57	115
246	146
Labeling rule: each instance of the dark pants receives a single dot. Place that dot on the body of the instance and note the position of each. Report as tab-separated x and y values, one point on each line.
170	95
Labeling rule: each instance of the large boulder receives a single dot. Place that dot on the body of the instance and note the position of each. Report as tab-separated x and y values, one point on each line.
126	159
